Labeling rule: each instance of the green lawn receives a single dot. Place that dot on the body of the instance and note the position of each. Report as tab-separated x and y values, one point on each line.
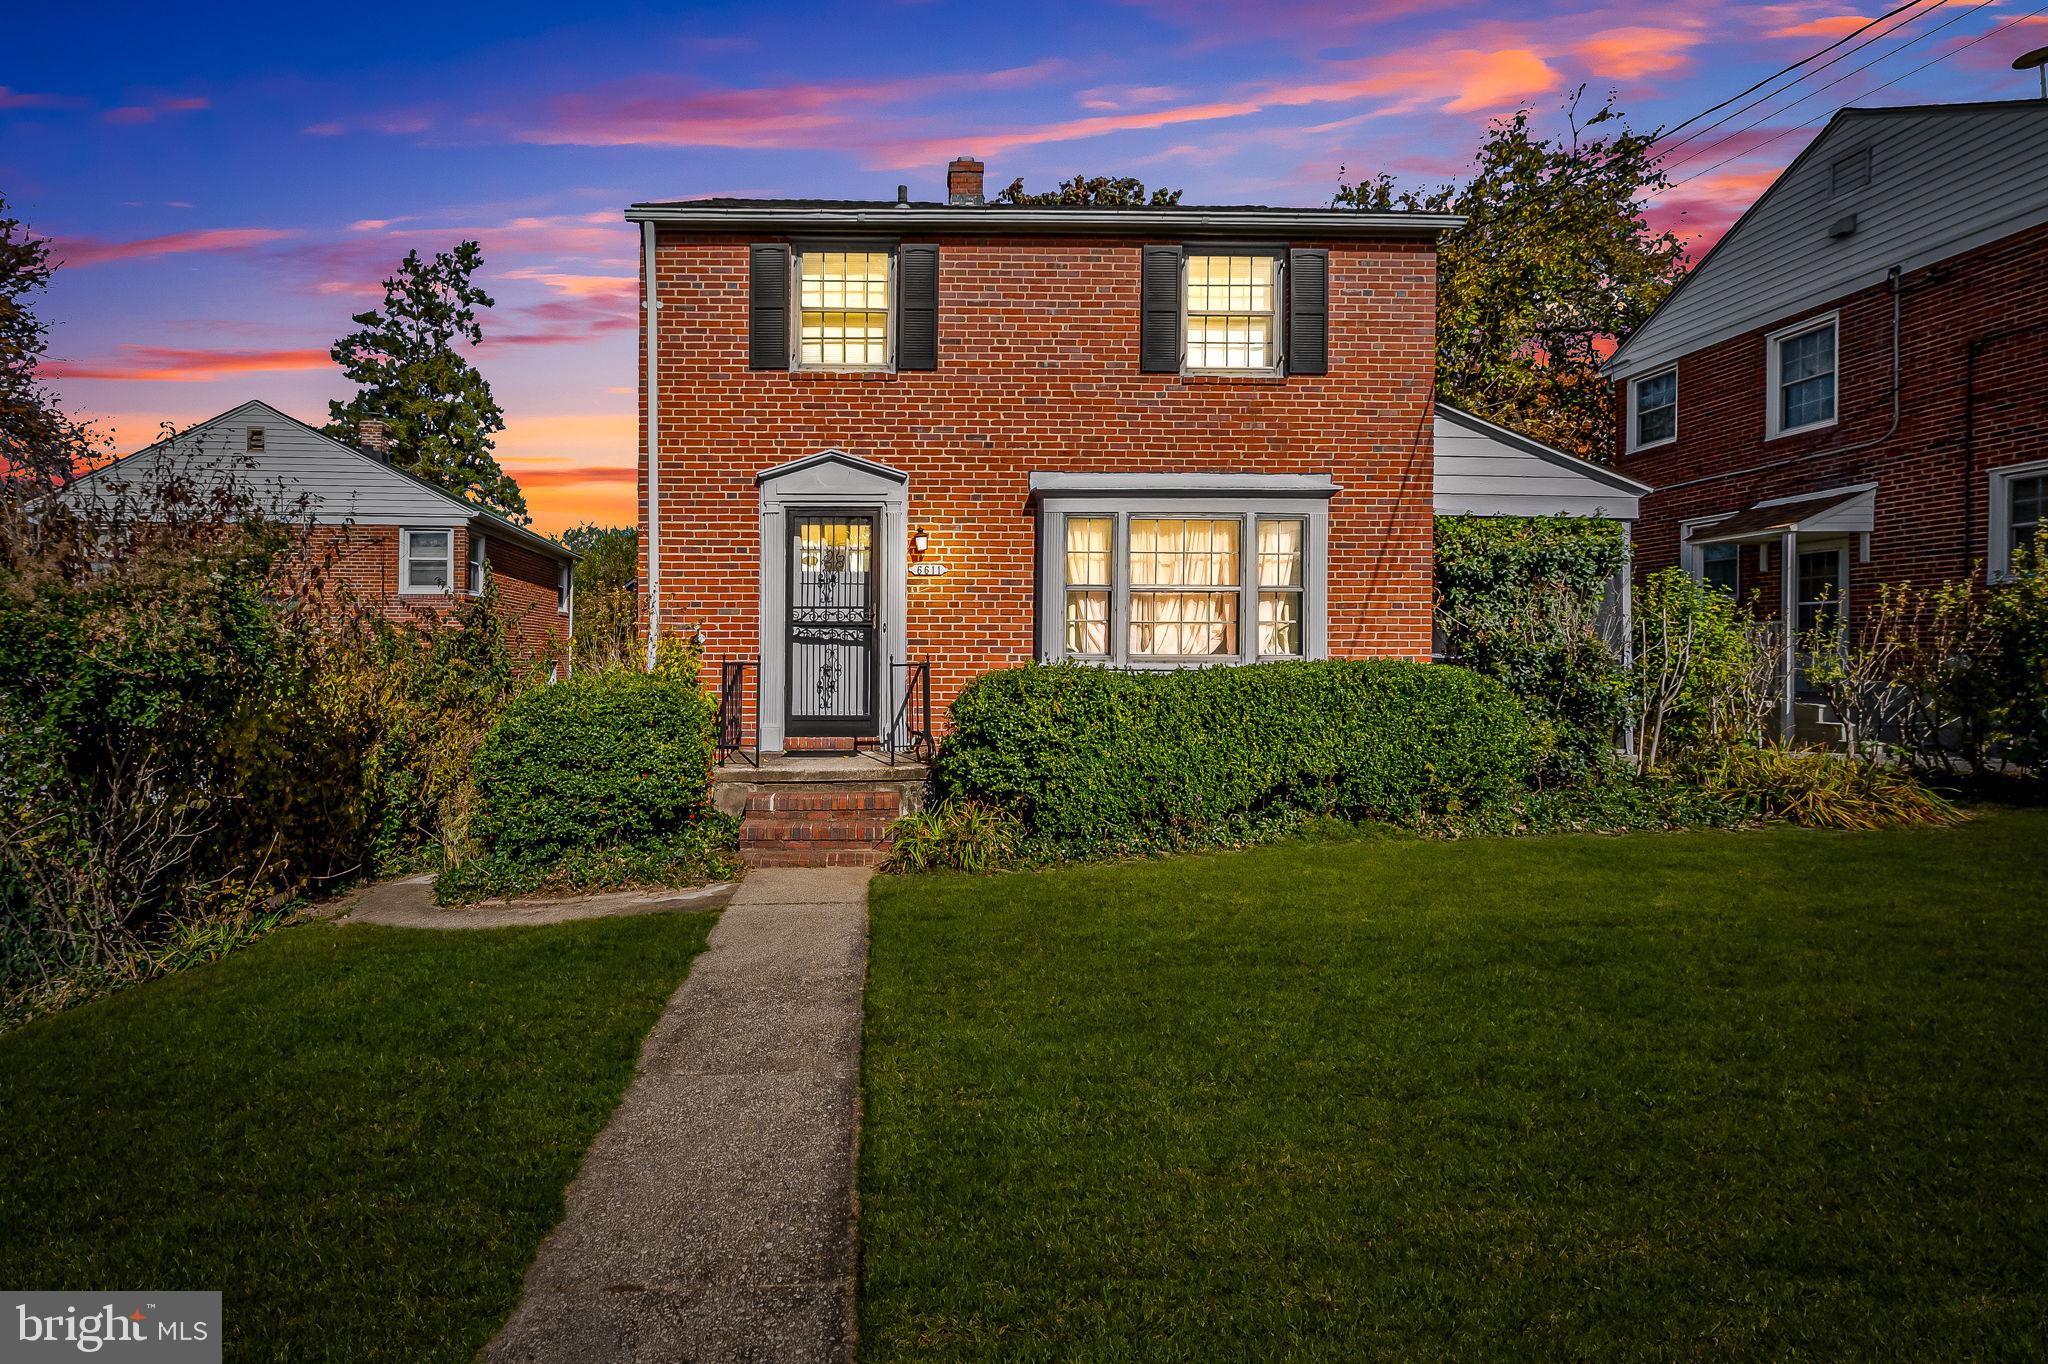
359	1135
1778	1095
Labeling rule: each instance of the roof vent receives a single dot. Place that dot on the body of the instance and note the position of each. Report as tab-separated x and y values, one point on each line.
903	195
1844	226
254	442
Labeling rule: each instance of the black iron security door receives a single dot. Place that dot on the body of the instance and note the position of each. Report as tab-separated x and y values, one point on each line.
832	655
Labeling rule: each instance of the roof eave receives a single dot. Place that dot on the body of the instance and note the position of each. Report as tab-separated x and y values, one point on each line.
981	221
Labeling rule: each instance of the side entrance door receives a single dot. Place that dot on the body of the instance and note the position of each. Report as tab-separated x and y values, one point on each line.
832	624
1823	597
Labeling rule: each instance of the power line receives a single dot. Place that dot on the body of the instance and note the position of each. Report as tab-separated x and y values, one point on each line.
1787	70
1804	75
1751	151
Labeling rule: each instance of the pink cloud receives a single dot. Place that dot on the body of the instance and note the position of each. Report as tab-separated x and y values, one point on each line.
1633	52
82	251
129	114
329	129
11	98
1827	26
165	364
609	287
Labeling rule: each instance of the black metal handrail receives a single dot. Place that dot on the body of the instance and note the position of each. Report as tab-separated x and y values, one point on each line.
732	692
910	724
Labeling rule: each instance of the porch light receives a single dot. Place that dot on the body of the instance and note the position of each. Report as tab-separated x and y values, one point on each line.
920	541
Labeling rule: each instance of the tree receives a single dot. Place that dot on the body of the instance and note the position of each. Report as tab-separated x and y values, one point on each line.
607	606
41	448
438	412
1091	191
1554	264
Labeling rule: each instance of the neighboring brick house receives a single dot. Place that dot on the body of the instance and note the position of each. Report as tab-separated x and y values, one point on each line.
1851	388
402	544
879	433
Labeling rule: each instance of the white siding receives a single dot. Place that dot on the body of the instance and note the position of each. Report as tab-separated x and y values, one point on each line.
339	484
1478	474
1943	180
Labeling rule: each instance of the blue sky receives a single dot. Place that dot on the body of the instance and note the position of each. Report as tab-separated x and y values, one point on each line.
227	190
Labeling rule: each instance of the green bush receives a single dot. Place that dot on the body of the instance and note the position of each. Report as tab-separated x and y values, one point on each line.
959	835
703	852
615	759
1819	790
1093	758
1519	598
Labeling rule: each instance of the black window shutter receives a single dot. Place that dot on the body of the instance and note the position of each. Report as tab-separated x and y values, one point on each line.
917	307
1308	312
1159	327
768	309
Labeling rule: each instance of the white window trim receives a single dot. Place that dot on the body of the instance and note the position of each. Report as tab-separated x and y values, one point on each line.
1278	256
1691	557
1120	509
406	556
1772	406
1672	439
565	589
797	252
479	564
1998	546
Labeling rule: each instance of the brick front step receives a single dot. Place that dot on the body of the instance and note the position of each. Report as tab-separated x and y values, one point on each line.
799	828
886	803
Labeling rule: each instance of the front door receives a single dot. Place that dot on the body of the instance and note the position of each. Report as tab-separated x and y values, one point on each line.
1823	596
832	620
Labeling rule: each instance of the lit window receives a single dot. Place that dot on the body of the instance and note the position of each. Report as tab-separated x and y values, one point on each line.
845	303
1803	379
1656	408
476	563
428	560
1184	587
1232	322
1088	586
1280	587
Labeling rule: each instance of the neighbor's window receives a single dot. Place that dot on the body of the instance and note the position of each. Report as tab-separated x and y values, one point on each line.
1088	586
476	562
1656	407
1280	541
1184	587
563	588
1720	566
845	305
2019	512
429	558
1803	379
1233	323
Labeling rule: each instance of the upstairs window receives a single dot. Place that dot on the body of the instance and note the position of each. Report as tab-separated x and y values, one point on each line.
844	300
1653	402
428	560
1802	378
1232	313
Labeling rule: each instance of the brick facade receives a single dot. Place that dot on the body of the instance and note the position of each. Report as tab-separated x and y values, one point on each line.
1038	373
366	559
1974	342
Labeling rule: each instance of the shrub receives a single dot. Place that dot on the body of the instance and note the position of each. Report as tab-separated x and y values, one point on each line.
2016	618
703	852
957	835
1824	790
1520	598
1095	758
1705	673
600	760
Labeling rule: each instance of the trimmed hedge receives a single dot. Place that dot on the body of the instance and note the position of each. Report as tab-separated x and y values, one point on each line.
1094	757
607	760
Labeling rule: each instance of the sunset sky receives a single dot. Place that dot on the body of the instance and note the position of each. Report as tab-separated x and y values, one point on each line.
225	191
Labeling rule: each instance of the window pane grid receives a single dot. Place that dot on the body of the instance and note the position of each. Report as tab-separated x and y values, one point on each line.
426	559
1170	553
845	305
1231	316
1183	624
2028	508
1280	580
1806	378
1088	588
1657	408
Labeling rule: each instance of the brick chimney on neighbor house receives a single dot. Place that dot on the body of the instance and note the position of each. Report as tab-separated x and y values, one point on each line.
374	438
963	181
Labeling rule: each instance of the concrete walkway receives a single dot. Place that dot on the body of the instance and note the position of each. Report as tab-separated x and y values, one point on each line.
713	1217
409	903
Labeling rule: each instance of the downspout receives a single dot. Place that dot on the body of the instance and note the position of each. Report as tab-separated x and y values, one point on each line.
651	334
1898	383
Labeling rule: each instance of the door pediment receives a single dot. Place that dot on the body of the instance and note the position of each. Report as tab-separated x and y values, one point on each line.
833	473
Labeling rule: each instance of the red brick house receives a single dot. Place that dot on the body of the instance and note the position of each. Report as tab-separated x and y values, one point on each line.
1851	388
402	544
879	433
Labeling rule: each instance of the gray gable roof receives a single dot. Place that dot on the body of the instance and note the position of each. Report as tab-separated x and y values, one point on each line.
1942	179
1487	470
340	484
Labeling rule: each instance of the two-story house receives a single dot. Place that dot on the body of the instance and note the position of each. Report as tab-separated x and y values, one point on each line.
879	433
402	546
1851	387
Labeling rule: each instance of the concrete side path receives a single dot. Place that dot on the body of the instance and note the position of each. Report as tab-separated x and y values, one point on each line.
713	1217
409	903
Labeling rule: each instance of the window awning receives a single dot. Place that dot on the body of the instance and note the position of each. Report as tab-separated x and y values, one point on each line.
1845	512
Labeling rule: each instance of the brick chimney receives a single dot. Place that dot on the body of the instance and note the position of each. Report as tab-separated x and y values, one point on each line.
374	438
963	181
